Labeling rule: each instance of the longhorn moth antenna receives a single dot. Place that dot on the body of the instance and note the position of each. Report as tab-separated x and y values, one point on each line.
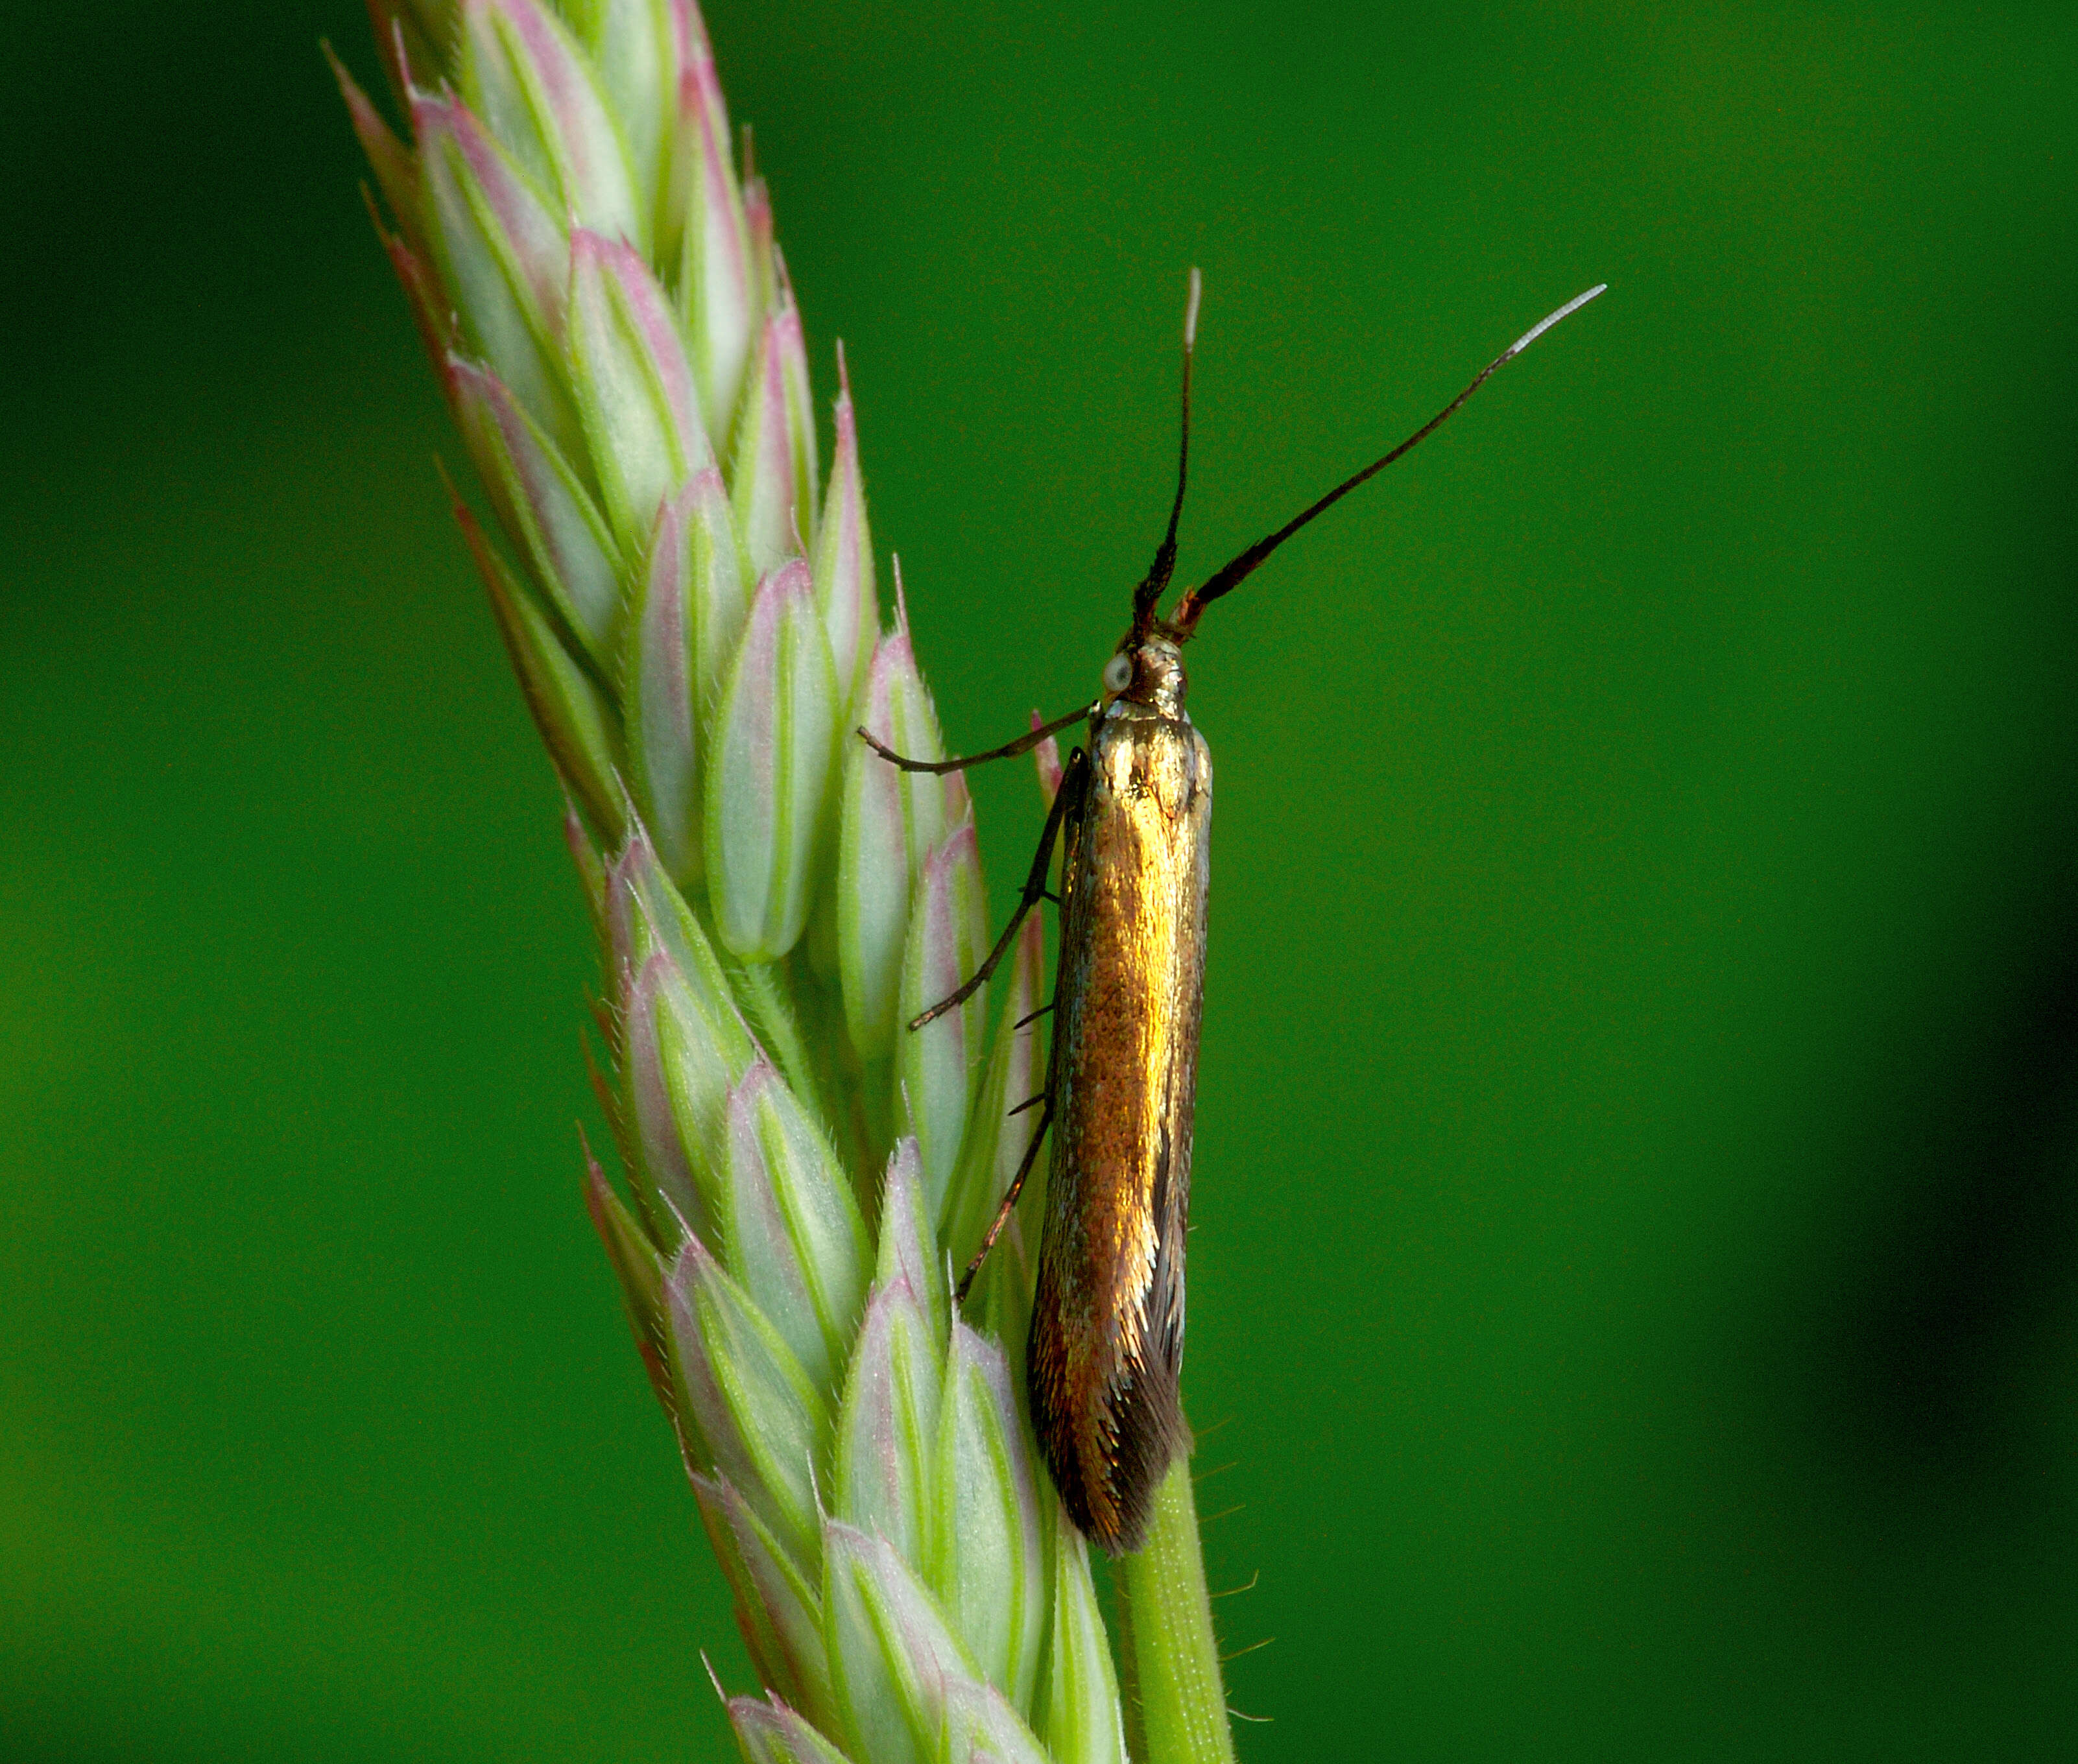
1157	583
1232	576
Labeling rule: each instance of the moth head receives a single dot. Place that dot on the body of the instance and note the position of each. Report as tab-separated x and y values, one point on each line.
1147	670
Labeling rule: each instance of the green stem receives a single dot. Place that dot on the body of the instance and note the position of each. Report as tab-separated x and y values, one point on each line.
1175	1656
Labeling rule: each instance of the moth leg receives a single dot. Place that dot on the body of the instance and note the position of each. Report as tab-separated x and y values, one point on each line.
1009	1201
1072	776
959	763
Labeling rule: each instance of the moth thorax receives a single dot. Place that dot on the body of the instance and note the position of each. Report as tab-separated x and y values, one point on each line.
1156	678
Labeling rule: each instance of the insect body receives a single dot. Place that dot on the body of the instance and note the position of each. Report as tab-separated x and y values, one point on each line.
1107	1345
1134	815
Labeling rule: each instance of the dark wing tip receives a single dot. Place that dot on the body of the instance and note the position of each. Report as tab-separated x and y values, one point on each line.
1107	1467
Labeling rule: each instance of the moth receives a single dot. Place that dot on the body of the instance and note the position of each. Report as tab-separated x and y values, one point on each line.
1134	818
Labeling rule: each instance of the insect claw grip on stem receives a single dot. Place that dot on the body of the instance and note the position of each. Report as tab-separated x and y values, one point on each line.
960	762
1034	891
1009	1200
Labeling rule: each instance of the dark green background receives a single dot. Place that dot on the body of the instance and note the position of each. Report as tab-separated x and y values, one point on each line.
1633	1281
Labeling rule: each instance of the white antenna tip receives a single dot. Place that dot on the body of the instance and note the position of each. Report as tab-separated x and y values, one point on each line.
1549	320
1190	309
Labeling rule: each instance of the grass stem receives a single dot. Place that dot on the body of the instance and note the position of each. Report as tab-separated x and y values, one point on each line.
1175	1666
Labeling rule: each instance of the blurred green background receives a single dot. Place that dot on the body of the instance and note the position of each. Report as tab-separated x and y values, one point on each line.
1634	1310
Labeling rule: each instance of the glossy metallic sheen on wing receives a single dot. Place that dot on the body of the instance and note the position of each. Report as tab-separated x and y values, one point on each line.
1106	1344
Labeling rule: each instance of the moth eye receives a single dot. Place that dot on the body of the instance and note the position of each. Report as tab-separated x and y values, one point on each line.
1118	673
